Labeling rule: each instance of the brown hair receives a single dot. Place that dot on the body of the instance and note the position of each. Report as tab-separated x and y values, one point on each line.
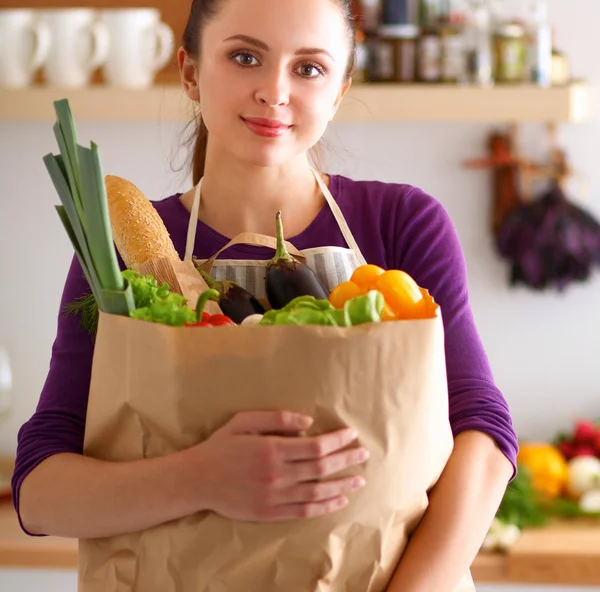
201	12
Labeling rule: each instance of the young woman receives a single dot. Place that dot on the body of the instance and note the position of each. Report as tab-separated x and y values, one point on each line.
269	75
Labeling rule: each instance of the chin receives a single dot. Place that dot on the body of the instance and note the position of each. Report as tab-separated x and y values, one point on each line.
267	157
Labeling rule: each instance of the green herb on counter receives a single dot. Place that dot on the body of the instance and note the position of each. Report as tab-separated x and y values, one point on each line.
522	504
525	507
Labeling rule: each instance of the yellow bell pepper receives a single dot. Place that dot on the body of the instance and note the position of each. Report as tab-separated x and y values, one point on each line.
403	297
548	467
348	290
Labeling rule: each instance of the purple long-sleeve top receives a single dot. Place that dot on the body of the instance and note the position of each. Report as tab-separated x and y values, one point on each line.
396	227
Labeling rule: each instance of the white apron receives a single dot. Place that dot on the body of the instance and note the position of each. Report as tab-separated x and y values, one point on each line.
333	265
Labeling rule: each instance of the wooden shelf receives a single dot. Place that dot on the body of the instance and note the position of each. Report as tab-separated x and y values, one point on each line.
421	103
364	103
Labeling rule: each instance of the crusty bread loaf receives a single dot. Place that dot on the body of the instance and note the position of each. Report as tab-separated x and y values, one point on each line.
138	230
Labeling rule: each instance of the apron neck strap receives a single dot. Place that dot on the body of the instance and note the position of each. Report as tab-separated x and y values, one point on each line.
335	209
192	225
339	218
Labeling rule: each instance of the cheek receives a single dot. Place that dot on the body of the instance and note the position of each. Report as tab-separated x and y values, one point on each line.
218	93
319	104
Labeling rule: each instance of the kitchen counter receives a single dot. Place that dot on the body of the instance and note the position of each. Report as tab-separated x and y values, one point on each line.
561	553
19	550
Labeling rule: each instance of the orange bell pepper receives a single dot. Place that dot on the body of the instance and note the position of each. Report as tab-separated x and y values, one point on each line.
403	297
547	466
402	294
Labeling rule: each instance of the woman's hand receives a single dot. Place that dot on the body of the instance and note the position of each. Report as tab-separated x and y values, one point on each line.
247	473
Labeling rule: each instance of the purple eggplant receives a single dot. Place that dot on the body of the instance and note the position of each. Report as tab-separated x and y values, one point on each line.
235	302
287	278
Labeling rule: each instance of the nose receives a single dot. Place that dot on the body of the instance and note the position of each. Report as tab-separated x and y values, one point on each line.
274	89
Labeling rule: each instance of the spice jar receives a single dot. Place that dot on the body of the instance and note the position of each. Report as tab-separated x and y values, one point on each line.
429	55
561	71
453	54
396	53
510	53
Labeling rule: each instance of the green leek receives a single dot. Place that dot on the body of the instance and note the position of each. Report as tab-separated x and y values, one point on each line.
79	181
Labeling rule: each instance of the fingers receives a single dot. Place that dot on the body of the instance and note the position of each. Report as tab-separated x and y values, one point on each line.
319	491
316	446
329	465
311	510
269	422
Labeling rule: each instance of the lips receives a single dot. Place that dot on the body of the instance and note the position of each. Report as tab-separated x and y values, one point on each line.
269	128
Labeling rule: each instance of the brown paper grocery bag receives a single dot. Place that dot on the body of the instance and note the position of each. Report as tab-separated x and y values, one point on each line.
158	389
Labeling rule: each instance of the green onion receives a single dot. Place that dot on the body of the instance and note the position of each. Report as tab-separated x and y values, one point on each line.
79	181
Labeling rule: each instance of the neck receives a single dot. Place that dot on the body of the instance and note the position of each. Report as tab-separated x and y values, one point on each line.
241	197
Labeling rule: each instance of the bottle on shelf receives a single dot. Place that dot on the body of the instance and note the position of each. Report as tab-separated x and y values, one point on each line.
540	44
397	43
429	46
395	12
561	67
510	53
452	43
479	44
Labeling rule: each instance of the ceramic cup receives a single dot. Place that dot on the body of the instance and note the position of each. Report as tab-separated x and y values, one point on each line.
80	44
141	45
24	46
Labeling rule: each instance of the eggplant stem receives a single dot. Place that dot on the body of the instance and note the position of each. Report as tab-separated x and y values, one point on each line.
210	282
282	252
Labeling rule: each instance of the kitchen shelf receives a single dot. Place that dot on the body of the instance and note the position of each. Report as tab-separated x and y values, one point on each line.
364	103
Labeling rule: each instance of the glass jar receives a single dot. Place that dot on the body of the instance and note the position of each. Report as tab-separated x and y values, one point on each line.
510	53
429	56
453	53
396	53
561	70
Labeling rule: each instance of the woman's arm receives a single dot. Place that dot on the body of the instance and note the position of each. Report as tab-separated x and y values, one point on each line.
71	495
242	471
427	247
462	506
465	499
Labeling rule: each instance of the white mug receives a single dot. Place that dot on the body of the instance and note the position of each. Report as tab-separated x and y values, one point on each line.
24	45
80	44
141	44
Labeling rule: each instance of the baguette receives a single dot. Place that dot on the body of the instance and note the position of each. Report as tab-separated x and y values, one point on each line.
138	231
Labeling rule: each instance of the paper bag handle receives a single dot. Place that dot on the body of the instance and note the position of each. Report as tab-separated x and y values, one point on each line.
252	238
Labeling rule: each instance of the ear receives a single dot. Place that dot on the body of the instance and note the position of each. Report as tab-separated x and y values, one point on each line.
188	74
339	98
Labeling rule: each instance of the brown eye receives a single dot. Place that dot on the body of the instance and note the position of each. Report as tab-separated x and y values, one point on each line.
310	70
245	59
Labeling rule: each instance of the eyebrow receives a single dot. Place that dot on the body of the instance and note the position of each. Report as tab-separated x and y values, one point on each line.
262	45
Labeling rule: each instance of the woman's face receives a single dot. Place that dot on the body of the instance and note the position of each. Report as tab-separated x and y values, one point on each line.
270	76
